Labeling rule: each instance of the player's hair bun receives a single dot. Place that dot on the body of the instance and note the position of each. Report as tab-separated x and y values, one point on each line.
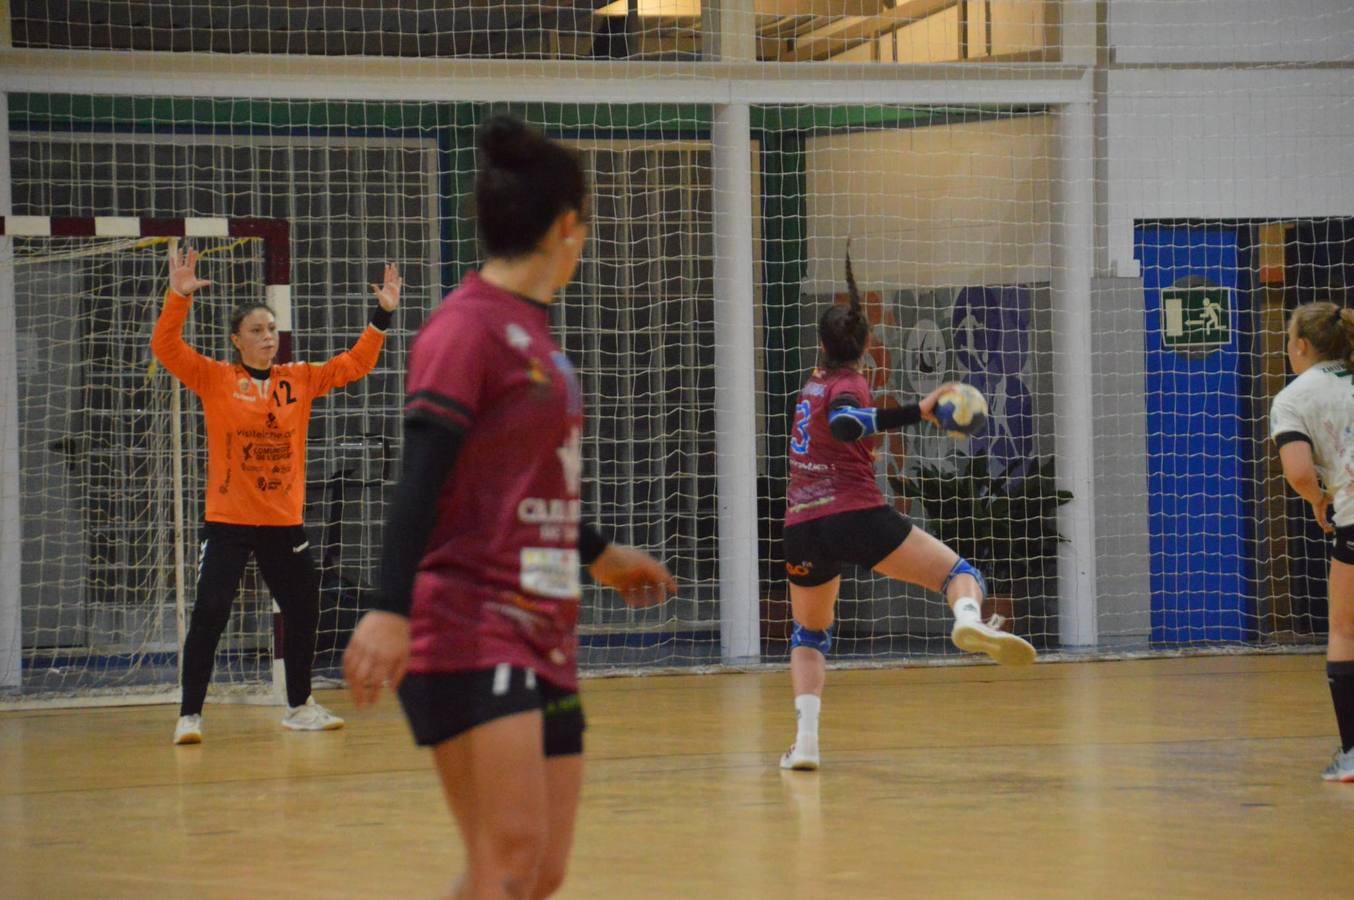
525	181
507	143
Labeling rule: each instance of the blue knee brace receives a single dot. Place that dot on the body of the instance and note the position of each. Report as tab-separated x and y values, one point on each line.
964	567
818	640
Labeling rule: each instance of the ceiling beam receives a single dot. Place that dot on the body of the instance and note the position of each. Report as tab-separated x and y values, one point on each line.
363	78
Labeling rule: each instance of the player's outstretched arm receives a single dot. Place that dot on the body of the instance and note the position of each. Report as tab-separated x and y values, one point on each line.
388	293
849	421
166	340
357	361
183	278
640	579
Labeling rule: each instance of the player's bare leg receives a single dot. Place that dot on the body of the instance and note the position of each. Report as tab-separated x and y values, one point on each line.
494	779
563	783
1340	667
923	560
812	608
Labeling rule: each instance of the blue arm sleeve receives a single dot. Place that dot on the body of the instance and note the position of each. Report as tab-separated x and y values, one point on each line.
849	422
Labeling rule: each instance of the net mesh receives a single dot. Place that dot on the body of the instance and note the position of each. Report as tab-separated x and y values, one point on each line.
99	514
1176	175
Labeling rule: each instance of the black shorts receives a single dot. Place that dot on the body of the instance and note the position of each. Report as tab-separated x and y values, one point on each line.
441	706
816	549
1343	551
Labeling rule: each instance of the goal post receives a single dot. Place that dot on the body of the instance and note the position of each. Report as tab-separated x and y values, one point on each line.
95	588
11	638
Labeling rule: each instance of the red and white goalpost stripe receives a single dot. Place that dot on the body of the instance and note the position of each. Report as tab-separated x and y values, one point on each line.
275	234
276	237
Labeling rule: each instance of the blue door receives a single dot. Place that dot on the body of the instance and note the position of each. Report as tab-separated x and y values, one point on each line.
1201	430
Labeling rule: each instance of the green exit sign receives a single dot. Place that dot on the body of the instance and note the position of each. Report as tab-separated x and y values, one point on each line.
1196	317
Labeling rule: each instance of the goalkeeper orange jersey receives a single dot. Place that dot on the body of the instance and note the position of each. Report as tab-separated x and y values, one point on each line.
256	430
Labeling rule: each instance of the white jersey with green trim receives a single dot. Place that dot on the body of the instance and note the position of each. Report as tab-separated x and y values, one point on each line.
1319	404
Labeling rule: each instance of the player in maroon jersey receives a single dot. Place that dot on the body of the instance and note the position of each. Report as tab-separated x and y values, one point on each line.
836	513
481	556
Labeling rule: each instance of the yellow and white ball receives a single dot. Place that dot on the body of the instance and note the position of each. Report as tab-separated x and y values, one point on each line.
961	410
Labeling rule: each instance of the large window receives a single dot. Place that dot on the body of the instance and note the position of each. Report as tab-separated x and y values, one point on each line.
899	31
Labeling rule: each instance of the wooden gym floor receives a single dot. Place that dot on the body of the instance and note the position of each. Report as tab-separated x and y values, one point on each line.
1164	778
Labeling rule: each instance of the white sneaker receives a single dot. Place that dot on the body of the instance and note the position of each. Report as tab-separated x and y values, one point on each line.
1341	767
987	637
802	756
189	730
310	717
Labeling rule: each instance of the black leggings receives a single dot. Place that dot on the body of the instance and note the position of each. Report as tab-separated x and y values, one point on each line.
288	568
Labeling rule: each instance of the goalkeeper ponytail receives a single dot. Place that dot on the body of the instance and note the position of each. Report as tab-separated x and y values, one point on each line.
844	330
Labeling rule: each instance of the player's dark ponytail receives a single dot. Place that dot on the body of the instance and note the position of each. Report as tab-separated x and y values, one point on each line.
525	181
844	330
1328	328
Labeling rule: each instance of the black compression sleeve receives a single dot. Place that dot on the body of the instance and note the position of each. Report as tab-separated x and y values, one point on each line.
430	453
898	416
591	543
381	318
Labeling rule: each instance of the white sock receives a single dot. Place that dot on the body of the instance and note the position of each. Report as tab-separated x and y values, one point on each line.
806	709
967	609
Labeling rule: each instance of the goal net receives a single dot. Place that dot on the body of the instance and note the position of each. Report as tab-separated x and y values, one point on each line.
111	464
1099	214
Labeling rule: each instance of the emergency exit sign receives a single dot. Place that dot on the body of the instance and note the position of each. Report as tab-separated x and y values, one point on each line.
1196	317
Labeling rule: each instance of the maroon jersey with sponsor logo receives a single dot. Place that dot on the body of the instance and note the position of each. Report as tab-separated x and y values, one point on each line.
828	476
498	582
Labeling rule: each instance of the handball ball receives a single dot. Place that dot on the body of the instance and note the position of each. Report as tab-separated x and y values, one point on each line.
961	410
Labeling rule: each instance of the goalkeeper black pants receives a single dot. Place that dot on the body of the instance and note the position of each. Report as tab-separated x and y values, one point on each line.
287	565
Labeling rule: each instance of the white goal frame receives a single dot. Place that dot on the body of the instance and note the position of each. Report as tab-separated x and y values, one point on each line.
275	236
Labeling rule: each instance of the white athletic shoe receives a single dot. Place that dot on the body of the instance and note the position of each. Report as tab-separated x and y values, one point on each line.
802	756
189	730
1341	767
987	637
310	717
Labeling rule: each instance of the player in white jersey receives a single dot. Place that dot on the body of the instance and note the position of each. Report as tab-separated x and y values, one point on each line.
1312	422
